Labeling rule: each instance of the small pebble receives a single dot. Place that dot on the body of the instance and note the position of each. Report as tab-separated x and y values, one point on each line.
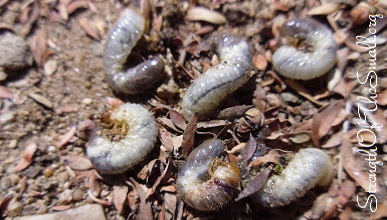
5	183
51	148
32	171
14	209
48	171
50	67
78	194
87	101
14	52
13	143
65	197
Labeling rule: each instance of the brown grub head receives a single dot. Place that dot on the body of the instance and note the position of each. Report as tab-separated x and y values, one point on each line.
112	129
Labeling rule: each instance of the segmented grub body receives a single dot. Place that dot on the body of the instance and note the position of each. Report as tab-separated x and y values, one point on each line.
207	180
137	135
309	167
207	91
309	50
122	38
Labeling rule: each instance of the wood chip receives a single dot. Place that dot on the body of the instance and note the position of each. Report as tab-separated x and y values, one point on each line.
41	100
324	9
204	14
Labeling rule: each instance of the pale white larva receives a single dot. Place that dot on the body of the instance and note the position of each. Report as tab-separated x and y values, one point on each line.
128	136
207	91
309	167
122	38
309	50
207	180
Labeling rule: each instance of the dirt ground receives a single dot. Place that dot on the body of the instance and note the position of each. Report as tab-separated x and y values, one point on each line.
49	97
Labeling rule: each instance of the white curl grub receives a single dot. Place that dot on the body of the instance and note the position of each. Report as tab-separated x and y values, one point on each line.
208	181
309	167
122	38
309	50
136	129
207	91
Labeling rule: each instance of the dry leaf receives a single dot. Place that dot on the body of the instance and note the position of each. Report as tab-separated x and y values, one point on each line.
143	174
168	122
132	197
144	209
166	138
169	188
93	182
233	112
236	149
189	136
300	137
120	194
351	166
67	137
302	91
213	124
259	99
77	162
28	17
382	98
100	201
61	207
204	14
75	5
334	140
89	27
323	121
63	11
38	45
254	185
178	119
249	150
26	157
5	93
85	129
272	157
159	180
260	62
4	203
380	213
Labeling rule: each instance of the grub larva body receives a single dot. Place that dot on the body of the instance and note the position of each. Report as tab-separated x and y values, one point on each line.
207	91
309	50
122	38
129	136
309	167
207	181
